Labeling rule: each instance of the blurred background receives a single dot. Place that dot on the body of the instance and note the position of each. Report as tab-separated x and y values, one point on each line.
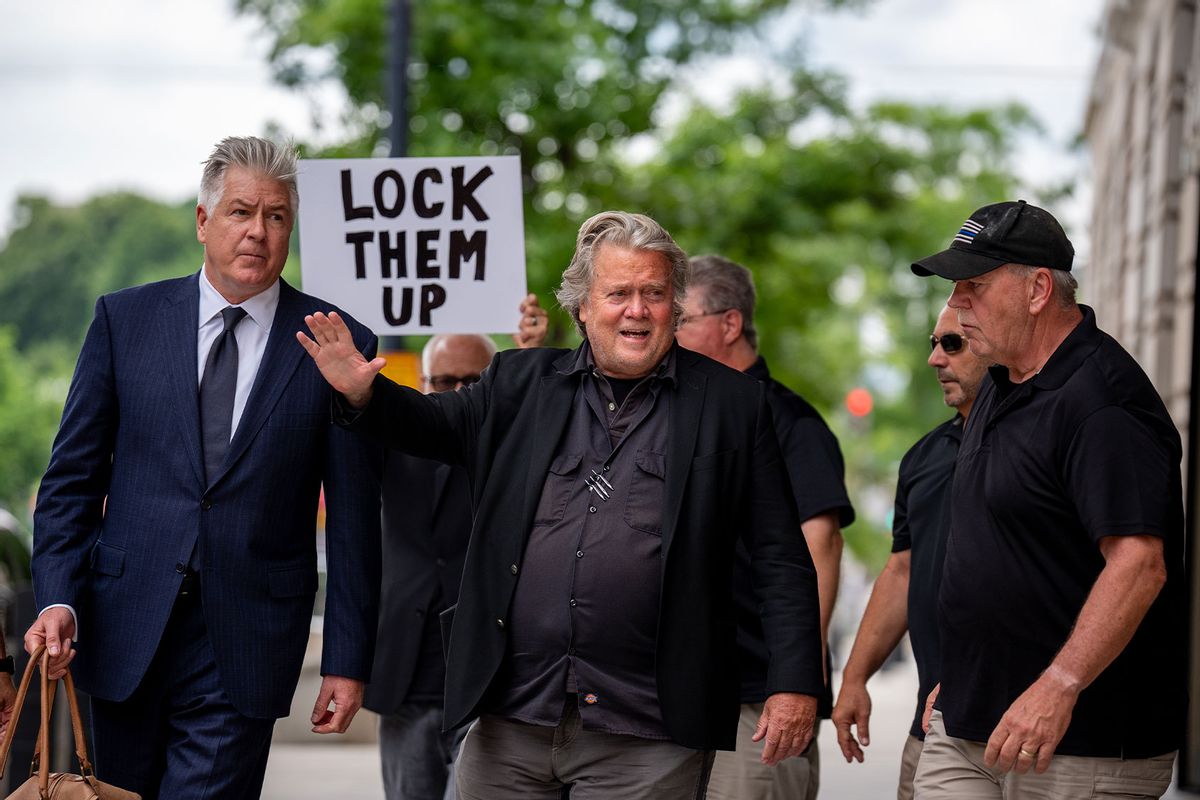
825	144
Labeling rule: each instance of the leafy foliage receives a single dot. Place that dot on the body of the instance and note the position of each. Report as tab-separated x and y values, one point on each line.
827	204
30	404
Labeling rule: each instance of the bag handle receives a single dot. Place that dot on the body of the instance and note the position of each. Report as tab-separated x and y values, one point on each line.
48	691
18	704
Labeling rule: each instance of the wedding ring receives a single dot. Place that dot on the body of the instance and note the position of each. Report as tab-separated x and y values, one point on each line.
1028	754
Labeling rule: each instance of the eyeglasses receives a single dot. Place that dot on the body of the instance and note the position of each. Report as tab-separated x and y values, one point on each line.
444	383
951	343
685	320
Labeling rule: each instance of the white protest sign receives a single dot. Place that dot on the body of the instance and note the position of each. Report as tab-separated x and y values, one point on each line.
415	245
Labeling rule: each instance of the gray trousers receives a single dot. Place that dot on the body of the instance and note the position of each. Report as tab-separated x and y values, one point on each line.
506	760
741	775
953	769
416	755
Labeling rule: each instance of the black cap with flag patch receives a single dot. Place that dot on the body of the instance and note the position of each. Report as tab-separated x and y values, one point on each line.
999	234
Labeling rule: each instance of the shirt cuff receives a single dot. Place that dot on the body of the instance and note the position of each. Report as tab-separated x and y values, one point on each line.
74	616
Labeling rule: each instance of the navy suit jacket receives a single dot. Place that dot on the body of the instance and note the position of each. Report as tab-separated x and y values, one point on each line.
124	501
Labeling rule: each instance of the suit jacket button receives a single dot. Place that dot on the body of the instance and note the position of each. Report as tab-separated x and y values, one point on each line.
180	568
206	504
500	623
441	562
513	569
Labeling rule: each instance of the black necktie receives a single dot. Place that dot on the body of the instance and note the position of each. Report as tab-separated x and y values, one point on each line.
217	390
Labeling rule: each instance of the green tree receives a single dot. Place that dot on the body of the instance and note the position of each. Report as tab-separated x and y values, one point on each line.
826	203
828	207
59	259
564	85
30	405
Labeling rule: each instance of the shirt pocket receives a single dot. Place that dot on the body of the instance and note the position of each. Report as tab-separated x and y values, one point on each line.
644	504
560	481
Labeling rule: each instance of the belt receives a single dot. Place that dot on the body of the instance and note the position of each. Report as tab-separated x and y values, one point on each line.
190	586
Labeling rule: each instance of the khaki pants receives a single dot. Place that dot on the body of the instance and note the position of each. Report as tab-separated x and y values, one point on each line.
741	775
953	769
908	767
505	760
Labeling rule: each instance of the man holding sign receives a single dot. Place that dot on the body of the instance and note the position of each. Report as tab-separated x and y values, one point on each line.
594	633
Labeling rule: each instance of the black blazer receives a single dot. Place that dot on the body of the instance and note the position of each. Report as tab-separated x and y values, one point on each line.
426	525
725	479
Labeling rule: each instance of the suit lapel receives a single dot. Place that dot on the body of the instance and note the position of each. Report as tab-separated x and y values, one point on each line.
179	324
441	474
556	397
686	408
280	359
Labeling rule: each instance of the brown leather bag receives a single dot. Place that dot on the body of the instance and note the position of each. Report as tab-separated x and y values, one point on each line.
42	785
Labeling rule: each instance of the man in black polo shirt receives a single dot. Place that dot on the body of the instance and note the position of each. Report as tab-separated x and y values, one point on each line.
594	632
906	591
718	321
1061	604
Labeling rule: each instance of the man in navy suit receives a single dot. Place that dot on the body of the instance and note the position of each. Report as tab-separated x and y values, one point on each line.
174	534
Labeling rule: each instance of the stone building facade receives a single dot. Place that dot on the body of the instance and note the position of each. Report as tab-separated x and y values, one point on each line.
1143	131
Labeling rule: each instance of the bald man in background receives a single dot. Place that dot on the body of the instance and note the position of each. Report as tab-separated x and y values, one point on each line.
426	524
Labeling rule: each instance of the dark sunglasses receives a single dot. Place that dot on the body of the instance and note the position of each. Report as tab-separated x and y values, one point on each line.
444	383
951	343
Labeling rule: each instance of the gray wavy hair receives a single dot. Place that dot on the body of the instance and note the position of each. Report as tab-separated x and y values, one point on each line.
260	156
620	228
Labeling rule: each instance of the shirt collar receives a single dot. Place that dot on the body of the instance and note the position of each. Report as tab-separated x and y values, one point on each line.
583	361
758	370
260	308
1064	362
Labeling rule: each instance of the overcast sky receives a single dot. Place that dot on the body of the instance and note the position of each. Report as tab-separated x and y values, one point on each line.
134	93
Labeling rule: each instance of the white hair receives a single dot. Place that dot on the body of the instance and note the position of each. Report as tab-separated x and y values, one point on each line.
261	156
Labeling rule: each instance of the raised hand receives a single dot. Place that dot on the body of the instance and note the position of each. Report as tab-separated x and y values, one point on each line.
332	349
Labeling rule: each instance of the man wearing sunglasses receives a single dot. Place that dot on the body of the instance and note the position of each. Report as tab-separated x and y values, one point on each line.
426	525
718	321
1061	610
906	591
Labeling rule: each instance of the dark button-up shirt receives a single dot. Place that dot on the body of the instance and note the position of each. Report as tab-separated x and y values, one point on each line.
921	524
584	616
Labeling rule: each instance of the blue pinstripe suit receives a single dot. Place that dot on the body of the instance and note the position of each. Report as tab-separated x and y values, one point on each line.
125	500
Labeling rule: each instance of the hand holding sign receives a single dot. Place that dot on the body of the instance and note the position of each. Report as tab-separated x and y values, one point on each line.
534	325
332	348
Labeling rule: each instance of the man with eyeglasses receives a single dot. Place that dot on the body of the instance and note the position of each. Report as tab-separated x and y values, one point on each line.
594	639
426	526
1062	606
906	591
718	321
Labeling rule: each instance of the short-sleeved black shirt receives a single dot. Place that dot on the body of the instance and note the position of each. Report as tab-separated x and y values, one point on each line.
818	476
921	524
1083	450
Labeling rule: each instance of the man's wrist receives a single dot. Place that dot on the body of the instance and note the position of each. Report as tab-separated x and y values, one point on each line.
1063	680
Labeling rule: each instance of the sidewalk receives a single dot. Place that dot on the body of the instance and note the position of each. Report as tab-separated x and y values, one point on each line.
326	771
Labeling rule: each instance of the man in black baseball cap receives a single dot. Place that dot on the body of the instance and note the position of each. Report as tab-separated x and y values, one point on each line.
1062	593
